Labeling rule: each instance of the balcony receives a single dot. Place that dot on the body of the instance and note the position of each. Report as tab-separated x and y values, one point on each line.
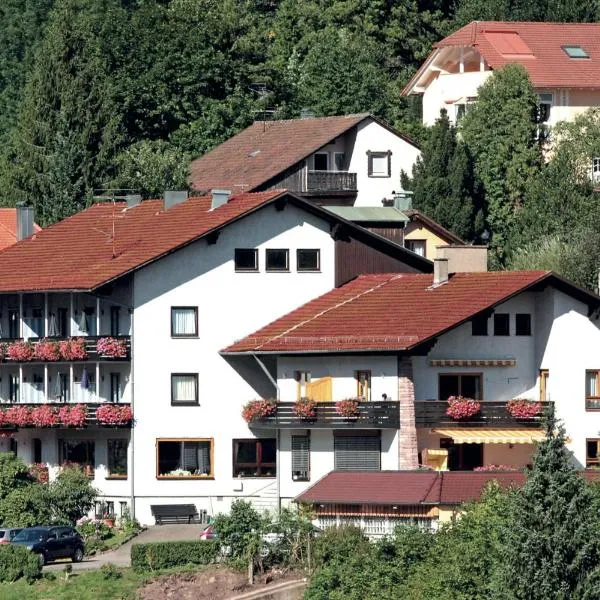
372	415
432	413
319	182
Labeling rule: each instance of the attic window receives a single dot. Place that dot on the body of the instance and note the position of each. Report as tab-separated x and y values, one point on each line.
575	52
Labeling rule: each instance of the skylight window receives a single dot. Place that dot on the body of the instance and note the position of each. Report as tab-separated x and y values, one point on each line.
575	52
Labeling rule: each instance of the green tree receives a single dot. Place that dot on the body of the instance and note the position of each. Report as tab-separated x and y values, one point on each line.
500	131
26	506
14	474
71	496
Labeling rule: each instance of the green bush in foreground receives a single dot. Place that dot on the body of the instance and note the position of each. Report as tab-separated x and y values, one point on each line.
164	555
17	562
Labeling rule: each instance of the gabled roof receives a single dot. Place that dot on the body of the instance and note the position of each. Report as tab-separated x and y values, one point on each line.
81	253
8	227
369	214
416	215
394	312
537	46
267	148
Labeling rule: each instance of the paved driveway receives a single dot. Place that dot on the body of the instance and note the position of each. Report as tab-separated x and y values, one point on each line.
121	557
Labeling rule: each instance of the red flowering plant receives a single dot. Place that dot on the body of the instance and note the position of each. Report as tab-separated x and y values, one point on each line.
110	347
44	416
520	408
73	416
462	408
491	468
258	409
18	416
40	472
20	351
73	349
305	408
113	414
347	408
46	350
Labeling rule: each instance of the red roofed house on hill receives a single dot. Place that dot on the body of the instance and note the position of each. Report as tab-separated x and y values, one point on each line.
562	59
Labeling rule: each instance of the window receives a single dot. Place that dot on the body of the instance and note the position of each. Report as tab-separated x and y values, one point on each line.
356	452
479	325
501	324
184	458
255	458
277	259
468	386
544	377
81	452
303	379
184	388
115	318
13	324
117	458
545	106
37	450
184	321
340	161
115	387
592	390
308	260
321	161
301	457
246	259
523	324
592	455
363	385
380	164
575	52
596	169
417	246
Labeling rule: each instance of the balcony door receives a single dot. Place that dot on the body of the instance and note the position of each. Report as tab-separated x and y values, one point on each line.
462	457
468	385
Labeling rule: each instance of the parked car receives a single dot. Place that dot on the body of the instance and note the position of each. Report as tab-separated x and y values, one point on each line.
8	533
51	543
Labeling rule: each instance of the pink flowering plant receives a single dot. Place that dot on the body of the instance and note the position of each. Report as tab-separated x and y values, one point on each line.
20	351
18	416
73	349
73	416
113	414
305	408
110	347
520	408
46	350
258	409
347	408
44	416
492	468
462	408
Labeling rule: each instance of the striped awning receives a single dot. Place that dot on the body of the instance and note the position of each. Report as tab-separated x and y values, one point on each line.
472	362
493	436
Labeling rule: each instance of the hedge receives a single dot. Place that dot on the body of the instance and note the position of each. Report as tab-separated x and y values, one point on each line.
164	555
16	562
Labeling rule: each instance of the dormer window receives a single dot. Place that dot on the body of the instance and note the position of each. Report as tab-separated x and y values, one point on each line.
575	52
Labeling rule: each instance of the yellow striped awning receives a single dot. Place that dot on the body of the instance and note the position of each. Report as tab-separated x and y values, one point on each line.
492	436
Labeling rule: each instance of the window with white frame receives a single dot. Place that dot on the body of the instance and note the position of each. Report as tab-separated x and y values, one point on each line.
184	388
184	321
596	169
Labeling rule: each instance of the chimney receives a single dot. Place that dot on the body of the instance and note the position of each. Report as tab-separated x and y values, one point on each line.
219	197
133	200
173	197
464	258
440	271
403	200
24	221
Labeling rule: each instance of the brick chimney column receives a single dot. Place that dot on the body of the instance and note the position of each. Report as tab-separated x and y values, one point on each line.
408	448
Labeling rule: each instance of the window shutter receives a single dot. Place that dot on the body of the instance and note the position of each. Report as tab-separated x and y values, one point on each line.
300	457
357	453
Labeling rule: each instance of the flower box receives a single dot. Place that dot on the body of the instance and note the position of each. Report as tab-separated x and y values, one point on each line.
305	408
46	350
462	408
43	416
347	408
258	409
520	408
17	416
109	347
20	351
73	416
73	349
113	414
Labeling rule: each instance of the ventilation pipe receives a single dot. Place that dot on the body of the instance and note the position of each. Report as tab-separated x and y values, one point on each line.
24	221
219	197
173	197
440	271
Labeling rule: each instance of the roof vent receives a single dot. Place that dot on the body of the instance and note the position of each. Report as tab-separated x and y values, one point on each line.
173	197
133	200
219	197
24	221
440	271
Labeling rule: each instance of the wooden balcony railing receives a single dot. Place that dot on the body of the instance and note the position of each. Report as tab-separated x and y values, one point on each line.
331	181
432	413
372	415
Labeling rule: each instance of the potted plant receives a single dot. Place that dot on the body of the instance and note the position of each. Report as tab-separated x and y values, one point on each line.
113	414
110	347
347	408
46	350
108	519
462	408
258	409
73	349
44	416
18	416
20	351
521	408
305	408
73	416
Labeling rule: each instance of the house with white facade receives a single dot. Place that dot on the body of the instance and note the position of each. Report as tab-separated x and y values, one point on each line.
562	60
112	320
349	160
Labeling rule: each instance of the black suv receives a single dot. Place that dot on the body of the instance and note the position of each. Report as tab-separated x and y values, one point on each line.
50	543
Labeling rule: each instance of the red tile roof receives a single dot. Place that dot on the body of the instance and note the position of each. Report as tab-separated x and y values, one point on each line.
265	149
538	47
8	227
388	312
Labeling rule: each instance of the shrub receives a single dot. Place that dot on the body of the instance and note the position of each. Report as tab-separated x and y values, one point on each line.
14	473
235	528
109	571
71	496
164	555
17	562
26	506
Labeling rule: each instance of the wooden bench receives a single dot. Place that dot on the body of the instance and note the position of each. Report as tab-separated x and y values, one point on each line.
175	513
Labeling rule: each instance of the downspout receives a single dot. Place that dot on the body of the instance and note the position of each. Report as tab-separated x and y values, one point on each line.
278	471
132	382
